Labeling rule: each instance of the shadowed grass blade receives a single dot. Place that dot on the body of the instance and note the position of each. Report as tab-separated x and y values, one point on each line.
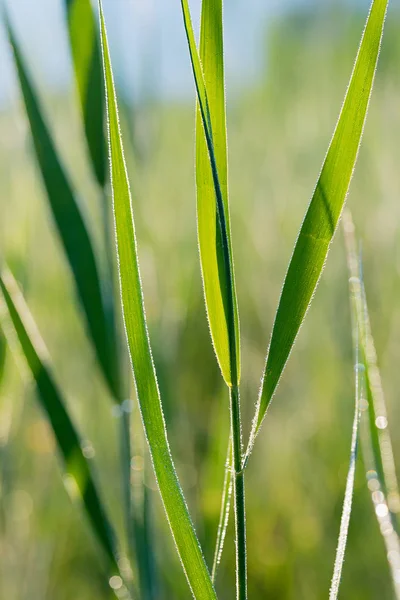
322	216
86	58
72	229
212	189
215	283
376	441
78	478
139	346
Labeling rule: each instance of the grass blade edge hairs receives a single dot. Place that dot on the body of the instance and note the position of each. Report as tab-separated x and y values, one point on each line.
354	292
79	479
322	216
140	352
224	511
376	442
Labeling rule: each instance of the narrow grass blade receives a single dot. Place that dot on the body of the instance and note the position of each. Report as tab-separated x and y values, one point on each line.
78	477
2	355
322	216
375	436
224	514
215	283
212	188
355	298
140	352
72	229
377	412
86	56
215	242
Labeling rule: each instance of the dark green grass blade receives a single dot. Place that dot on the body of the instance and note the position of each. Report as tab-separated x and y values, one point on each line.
212	190
72	229
78	477
142	362
86	56
322	216
215	283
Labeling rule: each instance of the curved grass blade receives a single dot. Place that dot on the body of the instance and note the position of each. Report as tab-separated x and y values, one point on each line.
212	189
78	477
355	298
381	441
224	513
375	441
140	352
72	229
215	283
86	58
323	213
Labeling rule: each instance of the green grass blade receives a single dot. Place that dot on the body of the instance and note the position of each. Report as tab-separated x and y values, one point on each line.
72	229
212	189
325	208
78	477
355	297
376	441
2	355
140	352
86	56
209	233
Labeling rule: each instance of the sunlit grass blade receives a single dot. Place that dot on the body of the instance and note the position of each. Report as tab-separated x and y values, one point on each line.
215	283
224	513
376	442
86	56
214	238
140	352
72	229
355	298
212	189
323	213
78	477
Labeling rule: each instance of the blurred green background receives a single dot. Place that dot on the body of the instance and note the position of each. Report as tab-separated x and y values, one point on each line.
279	124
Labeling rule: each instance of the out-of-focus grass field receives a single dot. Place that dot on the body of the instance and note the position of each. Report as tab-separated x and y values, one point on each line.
278	133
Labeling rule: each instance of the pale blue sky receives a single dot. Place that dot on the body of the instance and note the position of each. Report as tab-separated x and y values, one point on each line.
147	41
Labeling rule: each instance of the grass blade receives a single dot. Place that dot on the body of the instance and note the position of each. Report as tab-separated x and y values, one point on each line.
212	190
214	239
72	229
224	514
86	56
375	436
323	213
140	352
355	298
215	283
2	355
78	476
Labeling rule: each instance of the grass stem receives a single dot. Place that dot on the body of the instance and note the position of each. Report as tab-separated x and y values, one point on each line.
239	496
